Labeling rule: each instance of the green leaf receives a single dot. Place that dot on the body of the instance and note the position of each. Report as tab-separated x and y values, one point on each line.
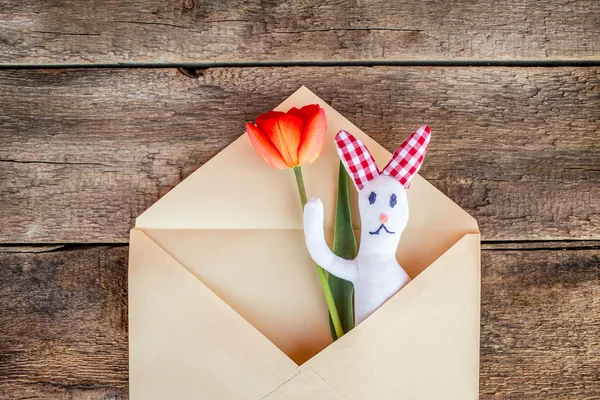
344	245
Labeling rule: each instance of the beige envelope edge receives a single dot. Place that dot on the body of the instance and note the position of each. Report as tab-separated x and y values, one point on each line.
207	215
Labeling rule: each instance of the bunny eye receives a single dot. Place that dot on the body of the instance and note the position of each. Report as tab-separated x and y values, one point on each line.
393	200
372	197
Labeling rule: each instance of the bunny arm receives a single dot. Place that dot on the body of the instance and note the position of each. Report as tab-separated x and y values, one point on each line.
317	247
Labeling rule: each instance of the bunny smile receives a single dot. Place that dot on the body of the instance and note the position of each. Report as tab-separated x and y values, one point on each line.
379	230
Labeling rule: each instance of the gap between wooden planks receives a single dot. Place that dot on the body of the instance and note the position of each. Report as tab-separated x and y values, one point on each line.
188	31
84	151
64	319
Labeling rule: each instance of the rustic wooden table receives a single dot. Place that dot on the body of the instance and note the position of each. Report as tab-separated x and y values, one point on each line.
97	121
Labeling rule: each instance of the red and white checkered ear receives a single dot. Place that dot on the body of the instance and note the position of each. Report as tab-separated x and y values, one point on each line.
408	157
356	158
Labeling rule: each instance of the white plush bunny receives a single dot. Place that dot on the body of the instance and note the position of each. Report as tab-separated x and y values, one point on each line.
383	207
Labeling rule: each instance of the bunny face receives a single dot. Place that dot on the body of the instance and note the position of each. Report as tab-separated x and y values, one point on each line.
383	210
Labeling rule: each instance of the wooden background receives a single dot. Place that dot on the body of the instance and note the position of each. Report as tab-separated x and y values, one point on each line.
107	105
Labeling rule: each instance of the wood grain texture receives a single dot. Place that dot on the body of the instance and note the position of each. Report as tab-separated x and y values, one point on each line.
64	324
540	325
192	31
64	319
83	152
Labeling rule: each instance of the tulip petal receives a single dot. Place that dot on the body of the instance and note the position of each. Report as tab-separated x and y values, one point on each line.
264	147
306	113
284	131
313	137
268	115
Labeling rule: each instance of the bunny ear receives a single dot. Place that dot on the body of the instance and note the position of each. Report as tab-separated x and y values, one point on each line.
408	157
356	158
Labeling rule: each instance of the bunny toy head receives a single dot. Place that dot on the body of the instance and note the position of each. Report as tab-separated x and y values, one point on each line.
382	200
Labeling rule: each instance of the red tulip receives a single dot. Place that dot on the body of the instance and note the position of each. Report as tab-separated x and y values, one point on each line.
287	140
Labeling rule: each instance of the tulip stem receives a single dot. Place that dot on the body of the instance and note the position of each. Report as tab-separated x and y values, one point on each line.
335	317
301	188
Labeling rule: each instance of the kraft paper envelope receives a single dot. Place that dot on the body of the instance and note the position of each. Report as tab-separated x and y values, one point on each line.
225	302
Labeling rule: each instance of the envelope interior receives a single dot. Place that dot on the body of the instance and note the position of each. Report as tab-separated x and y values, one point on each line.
236	225
268	277
264	275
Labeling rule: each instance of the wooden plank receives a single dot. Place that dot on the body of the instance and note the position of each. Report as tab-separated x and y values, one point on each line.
540	324
64	324
192	31
83	152
64	319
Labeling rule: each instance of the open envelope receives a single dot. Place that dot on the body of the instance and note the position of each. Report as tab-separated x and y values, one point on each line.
225	302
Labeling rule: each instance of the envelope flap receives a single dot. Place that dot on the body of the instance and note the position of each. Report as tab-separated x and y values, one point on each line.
237	190
422	344
184	340
307	385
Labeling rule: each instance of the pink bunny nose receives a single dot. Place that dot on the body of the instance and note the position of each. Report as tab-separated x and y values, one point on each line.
383	218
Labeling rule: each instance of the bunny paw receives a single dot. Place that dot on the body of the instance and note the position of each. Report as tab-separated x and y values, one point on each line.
314	206
313	214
